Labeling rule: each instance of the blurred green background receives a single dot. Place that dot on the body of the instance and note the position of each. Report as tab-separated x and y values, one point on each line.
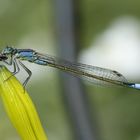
31	24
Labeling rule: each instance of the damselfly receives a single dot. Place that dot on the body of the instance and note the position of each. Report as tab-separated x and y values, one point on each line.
97	75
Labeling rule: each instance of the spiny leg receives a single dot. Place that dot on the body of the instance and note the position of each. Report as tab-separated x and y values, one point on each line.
12	61
9	62
28	71
16	68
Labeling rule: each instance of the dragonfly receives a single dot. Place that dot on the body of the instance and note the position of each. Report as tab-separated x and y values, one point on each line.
97	75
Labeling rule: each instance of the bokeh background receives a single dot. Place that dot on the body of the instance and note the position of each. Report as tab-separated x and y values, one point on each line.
104	33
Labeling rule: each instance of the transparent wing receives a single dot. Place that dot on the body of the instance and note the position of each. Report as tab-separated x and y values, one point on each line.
94	74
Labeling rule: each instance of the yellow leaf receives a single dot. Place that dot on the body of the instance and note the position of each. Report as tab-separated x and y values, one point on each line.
19	107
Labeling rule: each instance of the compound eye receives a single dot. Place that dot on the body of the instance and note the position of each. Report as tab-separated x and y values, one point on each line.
3	57
4	51
7	50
